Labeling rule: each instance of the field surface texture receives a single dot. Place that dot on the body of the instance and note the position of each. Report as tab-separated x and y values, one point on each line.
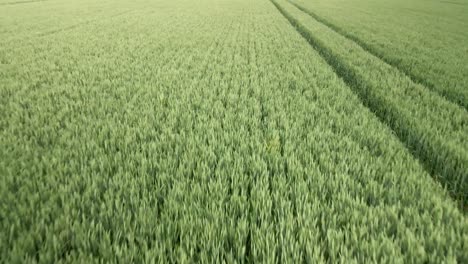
233	131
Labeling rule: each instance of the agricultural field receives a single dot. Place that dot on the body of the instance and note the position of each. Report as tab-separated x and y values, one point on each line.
237	131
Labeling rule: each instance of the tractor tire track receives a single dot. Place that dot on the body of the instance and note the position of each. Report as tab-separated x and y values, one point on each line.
71	27
449	96
21	2
431	155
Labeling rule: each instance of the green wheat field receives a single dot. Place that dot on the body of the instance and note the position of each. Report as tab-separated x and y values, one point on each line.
234	131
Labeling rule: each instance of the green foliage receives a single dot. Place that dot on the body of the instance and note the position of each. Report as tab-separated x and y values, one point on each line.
199	131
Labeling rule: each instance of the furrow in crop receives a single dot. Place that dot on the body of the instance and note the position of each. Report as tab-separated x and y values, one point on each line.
22	2
453	3
71	27
434	130
58	21
453	96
